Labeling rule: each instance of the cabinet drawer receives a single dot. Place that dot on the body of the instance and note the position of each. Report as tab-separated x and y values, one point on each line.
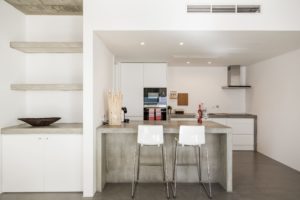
243	139
219	120
243	147
241	126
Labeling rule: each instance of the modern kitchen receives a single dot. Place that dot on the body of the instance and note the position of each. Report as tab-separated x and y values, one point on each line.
99	106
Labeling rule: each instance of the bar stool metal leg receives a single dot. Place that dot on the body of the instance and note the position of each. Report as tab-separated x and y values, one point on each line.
136	170
198	160
134	173
175	171
165	170
139	163
208	173
207	191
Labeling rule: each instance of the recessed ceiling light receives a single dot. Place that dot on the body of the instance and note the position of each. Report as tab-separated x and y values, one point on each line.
142	43
209	62
188	62
181	43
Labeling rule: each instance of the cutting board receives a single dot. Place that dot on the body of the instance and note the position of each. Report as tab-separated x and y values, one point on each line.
183	99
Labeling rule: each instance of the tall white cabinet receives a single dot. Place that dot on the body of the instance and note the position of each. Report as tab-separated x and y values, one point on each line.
133	78
155	75
132	88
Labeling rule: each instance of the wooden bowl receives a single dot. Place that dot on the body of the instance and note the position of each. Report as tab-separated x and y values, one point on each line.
40	121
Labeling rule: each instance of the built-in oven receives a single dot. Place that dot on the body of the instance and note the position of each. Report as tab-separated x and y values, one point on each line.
155	96
155	103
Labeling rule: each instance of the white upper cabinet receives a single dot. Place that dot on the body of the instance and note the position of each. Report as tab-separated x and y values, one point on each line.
132	88
155	75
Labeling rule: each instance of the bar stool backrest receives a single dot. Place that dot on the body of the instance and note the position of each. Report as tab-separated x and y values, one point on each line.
150	134
191	135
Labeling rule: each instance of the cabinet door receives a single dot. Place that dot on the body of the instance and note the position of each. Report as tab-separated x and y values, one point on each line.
222	121
22	161
155	75
243	140
63	162
241	126
132	88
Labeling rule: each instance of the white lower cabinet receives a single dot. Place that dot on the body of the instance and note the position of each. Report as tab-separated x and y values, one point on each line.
41	162
22	166
242	132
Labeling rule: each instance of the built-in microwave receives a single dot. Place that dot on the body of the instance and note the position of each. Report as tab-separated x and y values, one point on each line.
155	97
155	103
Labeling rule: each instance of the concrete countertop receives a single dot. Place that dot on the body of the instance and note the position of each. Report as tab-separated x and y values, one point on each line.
169	126
186	115
70	128
231	115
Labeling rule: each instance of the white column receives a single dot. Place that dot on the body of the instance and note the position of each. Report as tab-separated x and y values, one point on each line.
89	130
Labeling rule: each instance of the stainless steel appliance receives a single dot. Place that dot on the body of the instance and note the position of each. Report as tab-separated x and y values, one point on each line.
236	78
155	103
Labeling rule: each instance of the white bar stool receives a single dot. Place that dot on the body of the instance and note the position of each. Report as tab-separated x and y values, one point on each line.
149	135
192	136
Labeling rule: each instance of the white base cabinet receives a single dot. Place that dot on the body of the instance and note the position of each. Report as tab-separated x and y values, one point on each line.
41	162
242	132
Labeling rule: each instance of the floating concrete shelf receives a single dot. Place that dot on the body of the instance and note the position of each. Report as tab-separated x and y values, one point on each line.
46	87
52	7
47	47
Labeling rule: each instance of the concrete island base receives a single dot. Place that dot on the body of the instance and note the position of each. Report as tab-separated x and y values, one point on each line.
116	146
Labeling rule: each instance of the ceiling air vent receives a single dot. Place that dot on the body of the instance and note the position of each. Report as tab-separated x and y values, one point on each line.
248	8
223	8
199	8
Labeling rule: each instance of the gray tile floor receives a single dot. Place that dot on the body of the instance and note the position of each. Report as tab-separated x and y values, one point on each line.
255	177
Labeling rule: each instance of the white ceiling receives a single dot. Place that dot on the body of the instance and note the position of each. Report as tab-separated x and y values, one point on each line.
222	48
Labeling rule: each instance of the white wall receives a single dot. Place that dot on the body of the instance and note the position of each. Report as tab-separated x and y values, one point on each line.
171	15
164	15
12	67
204	84
54	28
275	97
89	130
54	68
103	82
103	79
98	79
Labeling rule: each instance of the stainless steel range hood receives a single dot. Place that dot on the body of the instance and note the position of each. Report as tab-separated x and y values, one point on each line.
236	78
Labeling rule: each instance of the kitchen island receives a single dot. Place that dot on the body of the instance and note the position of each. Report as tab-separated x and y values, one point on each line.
116	146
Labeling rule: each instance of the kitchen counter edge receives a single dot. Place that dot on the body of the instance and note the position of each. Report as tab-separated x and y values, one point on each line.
57	128
231	115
